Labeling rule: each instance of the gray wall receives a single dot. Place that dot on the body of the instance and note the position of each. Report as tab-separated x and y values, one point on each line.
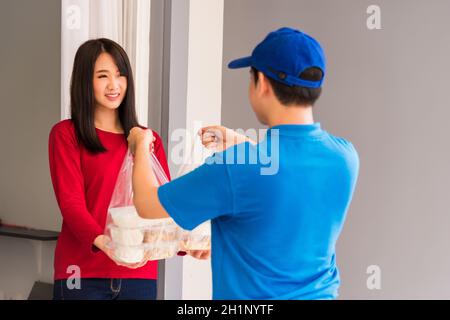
386	91
30	104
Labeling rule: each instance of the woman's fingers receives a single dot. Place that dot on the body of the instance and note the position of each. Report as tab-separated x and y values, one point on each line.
138	134
133	265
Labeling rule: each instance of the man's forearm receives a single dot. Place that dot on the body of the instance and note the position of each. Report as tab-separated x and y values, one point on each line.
235	138
144	179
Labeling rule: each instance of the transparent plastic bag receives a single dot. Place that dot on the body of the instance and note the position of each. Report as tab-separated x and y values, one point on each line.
197	239
134	239
200	237
158	170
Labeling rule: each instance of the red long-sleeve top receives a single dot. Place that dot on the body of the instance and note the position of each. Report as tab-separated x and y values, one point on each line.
84	183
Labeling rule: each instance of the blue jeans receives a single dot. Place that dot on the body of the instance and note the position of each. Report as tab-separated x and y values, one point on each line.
106	289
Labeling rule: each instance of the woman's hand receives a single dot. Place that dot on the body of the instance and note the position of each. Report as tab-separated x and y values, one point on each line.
134	265
199	254
140	136
102	241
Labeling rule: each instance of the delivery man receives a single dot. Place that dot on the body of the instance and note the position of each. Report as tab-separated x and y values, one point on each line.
273	233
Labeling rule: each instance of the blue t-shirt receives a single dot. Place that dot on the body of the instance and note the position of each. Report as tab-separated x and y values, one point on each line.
276	212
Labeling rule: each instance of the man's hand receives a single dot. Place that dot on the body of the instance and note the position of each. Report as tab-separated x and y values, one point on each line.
199	254
220	138
139	136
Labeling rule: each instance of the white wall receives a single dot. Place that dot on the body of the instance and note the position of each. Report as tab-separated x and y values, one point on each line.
204	104
195	97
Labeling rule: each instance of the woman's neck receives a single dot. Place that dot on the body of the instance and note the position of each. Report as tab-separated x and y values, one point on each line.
108	120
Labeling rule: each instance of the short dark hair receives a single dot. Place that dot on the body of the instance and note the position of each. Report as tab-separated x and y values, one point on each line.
82	100
297	95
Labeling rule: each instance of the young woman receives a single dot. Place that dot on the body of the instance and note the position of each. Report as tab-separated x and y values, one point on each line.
85	155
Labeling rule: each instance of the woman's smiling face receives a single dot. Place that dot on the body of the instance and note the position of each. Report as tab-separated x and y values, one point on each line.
110	86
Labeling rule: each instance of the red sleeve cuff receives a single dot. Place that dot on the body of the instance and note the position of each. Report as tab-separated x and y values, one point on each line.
94	248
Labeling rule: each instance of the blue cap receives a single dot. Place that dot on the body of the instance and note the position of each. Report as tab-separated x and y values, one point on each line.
283	55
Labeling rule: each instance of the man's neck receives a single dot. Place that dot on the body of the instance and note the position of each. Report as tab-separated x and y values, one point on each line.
291	115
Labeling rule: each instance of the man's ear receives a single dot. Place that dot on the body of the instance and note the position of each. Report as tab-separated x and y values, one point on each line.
263	86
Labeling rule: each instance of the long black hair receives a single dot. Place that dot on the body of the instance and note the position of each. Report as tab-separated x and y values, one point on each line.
82	100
